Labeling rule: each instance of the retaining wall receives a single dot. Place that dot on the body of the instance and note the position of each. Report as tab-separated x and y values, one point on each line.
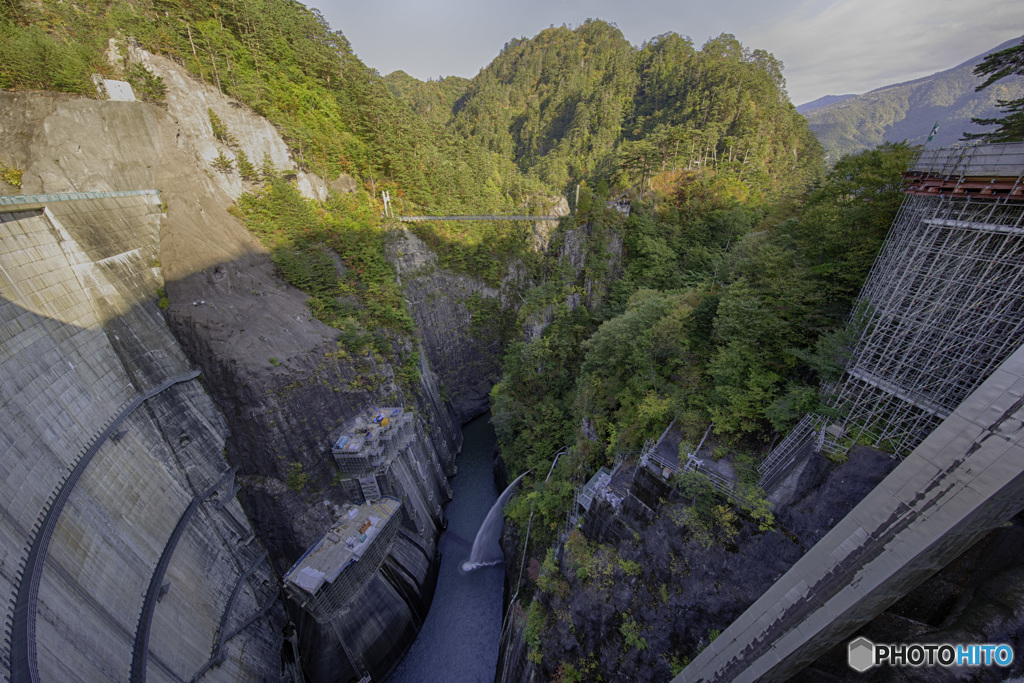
81	335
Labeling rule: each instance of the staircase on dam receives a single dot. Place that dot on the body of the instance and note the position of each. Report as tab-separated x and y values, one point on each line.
125	553
937	378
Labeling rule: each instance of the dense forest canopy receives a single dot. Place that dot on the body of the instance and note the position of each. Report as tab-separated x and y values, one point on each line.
720	300
584	105
567	106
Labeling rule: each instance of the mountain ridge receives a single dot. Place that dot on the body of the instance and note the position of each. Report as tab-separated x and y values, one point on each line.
908	110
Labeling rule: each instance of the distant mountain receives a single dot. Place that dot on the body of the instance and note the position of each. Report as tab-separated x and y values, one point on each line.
821	102
907	111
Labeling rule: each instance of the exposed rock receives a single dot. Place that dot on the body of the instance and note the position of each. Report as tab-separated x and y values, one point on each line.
275	373
437	298
344	183
573	247
189	102
684	592
542	229
83	341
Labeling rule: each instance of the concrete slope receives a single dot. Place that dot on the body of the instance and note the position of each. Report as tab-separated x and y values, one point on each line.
80	336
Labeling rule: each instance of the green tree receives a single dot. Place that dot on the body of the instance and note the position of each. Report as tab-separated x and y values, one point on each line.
246	168
845	221
220	131
222	163
147	86
997	66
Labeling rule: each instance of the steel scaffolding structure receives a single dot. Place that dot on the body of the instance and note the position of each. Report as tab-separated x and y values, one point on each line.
943	306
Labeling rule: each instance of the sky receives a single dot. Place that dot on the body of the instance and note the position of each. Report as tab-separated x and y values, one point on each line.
828	47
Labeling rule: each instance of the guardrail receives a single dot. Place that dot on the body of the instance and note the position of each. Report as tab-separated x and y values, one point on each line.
21	199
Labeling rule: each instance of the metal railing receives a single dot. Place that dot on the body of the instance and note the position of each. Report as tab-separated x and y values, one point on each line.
22	199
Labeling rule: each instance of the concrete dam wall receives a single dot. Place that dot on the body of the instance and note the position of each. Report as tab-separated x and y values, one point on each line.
148	522
148	562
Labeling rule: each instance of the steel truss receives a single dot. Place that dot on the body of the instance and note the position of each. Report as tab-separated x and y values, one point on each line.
942	307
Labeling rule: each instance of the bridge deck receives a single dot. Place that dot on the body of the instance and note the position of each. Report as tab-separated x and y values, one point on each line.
418	219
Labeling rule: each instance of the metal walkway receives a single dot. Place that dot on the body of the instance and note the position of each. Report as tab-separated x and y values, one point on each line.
223	635
25	200
963	480
419	219
22	619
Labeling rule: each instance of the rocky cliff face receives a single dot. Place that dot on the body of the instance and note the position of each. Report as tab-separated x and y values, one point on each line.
466	365
282	388
588	259
98	523
648	602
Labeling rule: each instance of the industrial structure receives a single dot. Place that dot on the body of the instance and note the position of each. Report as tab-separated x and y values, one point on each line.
373	441
337	566
936	377
942	307
126	553
384	452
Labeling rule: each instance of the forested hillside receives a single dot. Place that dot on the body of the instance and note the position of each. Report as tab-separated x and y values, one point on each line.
719	300
584	105
279	58
908	111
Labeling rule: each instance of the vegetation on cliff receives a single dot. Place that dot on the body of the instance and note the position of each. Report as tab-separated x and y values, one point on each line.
728	313
285	62
740	259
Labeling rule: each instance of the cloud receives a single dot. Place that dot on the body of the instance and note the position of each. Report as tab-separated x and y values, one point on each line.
827	46
852	46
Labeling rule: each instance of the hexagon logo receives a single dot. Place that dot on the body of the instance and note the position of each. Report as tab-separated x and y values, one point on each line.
861	654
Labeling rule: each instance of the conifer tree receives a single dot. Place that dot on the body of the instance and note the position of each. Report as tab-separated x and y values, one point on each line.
246	168
222	163
997	66
268	171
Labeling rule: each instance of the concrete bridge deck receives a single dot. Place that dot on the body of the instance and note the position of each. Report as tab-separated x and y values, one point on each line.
962	481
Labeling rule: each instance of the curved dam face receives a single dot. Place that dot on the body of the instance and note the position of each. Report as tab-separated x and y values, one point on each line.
159	385
142	563
127	554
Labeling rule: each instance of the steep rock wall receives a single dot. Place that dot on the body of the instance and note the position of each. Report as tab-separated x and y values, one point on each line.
586	257
438	299
273	371
189	101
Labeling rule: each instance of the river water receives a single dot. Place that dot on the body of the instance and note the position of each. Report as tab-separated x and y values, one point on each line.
459	639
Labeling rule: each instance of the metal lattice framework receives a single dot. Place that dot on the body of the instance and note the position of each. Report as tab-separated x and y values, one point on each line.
332	596
942	307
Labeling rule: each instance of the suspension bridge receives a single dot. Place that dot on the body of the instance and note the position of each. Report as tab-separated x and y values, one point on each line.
420	219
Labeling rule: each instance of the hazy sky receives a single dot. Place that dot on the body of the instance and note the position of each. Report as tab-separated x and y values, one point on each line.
827	46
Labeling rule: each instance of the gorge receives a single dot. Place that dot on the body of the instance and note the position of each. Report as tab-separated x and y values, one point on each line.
84	272
233	391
